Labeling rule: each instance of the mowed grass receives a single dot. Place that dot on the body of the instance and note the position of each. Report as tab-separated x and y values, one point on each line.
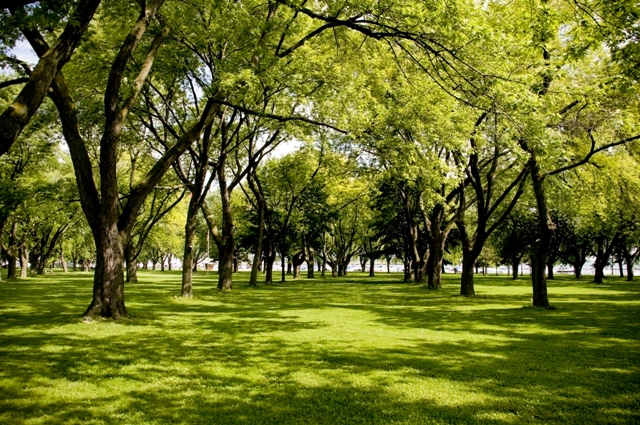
356	350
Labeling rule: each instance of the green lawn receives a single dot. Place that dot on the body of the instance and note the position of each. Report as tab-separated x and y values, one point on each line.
350	351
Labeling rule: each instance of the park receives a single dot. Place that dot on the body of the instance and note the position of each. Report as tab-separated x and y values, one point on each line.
356	350
319	211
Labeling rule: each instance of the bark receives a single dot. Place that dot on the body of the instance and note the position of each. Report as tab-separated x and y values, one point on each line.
108	281
467	288
270	259
363	264
297	261
225	267
257	257
550	270
436	256
388	264
515	267
372	271
236	264
541	246
629	270
24	262
131	264
18	114
188	254
63	262
310	268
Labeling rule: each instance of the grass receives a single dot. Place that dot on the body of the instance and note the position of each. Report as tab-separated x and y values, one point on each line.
353	351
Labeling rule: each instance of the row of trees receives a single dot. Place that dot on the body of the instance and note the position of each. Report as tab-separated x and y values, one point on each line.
458	111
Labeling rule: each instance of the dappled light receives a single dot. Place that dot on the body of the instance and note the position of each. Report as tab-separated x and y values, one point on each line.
319	351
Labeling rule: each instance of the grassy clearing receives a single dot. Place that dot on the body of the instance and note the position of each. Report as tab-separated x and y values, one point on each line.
358	350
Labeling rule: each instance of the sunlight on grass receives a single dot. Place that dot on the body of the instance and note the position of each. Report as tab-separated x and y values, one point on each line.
375	350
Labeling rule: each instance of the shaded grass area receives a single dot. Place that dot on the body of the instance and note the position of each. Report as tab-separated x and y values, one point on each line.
353	351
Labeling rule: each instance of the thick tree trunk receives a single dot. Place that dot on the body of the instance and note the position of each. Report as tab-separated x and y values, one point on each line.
24	263
12	262
550	271
108	280
271	258
436	257
225	266
467	288
515	269
601	261
310	266
577	270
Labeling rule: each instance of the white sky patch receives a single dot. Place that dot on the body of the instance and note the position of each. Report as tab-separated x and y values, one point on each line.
285	148
23	51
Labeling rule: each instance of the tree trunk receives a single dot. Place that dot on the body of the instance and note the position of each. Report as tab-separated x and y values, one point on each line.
63	262
289	267
550	271
629	260
283	268
363	264
225	266
271	258
257	257
372	265
310	266
108	280
620	267
131	264
601	261
436	256
388	264
541	246
24	262
577	270
467	288
515	268
187	254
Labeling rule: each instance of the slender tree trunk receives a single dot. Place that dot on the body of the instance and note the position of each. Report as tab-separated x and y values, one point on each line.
620	267
363	264
629	260
388	264
257	257
63	262
541	246
289	267
372	265
187	254
310	267
131	264
283	267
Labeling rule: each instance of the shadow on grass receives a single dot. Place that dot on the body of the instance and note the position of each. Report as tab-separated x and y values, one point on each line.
368	351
